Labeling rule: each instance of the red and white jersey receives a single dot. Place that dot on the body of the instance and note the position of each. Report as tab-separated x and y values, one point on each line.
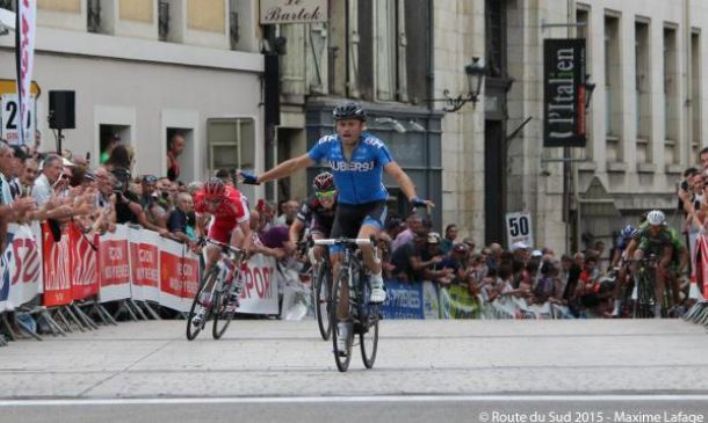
233	209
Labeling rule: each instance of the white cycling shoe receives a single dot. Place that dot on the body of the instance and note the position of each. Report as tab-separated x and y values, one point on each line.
378	295
342	336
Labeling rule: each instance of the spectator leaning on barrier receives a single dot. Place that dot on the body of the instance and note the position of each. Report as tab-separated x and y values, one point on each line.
182	221
435	272
268	240
10	210
450	236
155	213
127	205
414	225
289	211
44	185
30	173
19	158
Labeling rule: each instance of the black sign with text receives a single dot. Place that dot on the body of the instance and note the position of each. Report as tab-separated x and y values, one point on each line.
565	93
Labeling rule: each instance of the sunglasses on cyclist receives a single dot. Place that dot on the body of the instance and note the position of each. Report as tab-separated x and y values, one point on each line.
326	195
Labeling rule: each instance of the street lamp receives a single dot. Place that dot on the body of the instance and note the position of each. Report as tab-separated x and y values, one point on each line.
475	72
589	88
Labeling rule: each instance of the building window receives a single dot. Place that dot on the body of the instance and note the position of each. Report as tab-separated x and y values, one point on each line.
231	143
642	91
696	82
613	88
671	103
93	16
390	43
496	37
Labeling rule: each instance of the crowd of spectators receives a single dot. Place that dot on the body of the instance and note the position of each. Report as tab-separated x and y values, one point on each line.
63	188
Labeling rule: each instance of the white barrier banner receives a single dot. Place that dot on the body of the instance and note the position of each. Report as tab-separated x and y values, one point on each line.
144	265
20	267
114	265
260	292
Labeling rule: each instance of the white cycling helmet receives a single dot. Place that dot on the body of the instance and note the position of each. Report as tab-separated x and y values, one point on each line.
656	218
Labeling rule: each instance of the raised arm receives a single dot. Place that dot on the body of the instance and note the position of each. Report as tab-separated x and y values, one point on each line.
286	168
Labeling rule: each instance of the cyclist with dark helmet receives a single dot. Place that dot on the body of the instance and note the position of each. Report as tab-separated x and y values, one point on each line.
317	212
357	159
619	261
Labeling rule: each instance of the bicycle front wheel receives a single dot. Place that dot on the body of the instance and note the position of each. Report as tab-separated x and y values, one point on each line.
341	357
323	301
369	338
200	313
222	312
645	296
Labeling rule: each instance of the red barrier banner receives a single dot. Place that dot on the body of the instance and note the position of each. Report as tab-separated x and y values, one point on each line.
144	265
56	260
115	265
179	275
84	264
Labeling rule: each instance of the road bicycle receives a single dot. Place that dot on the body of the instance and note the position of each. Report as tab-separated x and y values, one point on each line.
364	316
217	296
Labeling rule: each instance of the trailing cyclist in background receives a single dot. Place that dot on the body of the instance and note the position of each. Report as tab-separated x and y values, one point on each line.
317	214
655	238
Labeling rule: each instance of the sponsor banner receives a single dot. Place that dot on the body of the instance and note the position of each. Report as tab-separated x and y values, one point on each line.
462	305
431	305
25	29
83	264
114	265
259	294
20	267
56	261
403	301
144	264
565	94
179	275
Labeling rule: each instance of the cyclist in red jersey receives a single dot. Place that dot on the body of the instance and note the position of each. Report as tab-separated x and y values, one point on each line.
229	209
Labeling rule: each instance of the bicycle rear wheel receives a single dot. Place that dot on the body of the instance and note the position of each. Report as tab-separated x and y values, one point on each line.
322	304
222	317
341	358
193	328
369	339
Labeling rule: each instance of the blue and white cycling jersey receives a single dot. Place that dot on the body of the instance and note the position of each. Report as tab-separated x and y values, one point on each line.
359	180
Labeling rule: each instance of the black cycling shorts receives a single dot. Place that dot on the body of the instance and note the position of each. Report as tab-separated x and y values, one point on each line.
350	218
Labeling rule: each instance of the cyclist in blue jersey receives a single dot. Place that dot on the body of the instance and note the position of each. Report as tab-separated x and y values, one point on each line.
357	160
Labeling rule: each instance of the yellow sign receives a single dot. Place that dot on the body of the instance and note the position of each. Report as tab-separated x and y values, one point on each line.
9	86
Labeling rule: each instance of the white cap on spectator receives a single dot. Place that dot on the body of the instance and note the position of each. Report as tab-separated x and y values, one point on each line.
537	253
519	246
67	162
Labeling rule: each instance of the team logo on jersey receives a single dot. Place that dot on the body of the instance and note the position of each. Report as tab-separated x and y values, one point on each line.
343	166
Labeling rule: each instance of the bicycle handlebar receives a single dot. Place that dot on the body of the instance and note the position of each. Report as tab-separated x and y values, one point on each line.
357	241
223	246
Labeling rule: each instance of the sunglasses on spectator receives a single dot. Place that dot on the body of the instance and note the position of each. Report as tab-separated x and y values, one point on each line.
150	179
326	195
65	176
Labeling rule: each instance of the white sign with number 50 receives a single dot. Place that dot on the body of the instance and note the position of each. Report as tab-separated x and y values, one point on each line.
519	228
